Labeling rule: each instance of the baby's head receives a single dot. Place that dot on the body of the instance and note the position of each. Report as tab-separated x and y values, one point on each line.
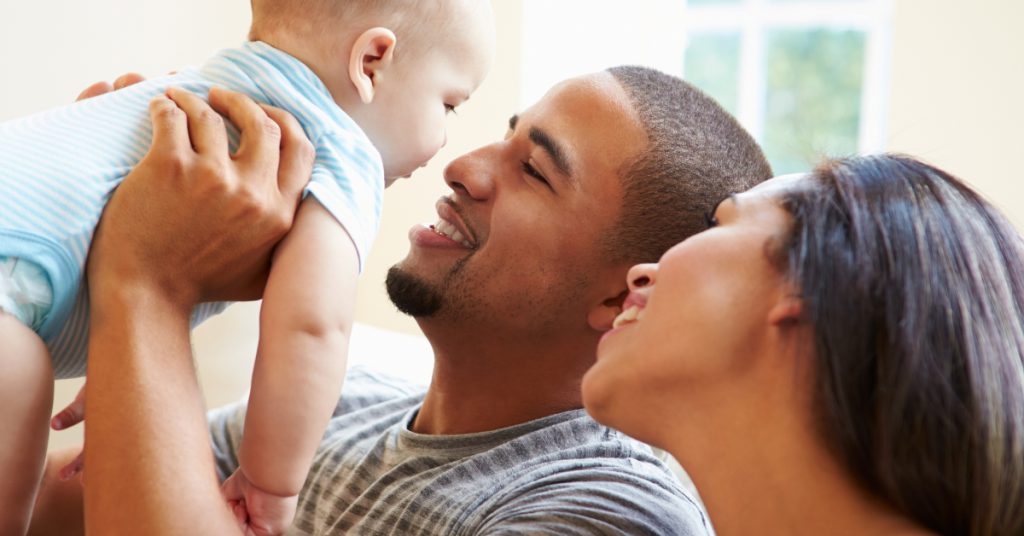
397	67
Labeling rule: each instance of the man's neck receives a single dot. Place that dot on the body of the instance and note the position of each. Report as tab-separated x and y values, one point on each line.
486	383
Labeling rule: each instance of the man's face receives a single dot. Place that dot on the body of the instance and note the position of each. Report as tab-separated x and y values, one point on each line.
517	243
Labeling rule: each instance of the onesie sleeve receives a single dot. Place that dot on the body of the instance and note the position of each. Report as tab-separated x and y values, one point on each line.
348	180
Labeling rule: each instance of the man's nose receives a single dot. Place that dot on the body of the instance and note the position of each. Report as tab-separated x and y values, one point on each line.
473	173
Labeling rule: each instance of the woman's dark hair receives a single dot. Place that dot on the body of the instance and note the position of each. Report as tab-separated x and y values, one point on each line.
914	286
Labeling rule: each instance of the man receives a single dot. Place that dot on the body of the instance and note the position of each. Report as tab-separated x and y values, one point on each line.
513	288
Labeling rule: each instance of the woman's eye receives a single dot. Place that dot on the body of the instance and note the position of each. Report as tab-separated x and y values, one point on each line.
710	220
532	171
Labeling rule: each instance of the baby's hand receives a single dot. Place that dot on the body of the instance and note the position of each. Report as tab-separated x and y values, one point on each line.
258	513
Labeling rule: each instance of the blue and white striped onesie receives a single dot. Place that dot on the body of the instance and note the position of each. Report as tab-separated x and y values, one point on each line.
59	168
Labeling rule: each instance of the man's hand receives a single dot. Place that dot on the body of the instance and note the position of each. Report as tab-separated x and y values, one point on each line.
258	513
99	88
192	221
71	415
289	175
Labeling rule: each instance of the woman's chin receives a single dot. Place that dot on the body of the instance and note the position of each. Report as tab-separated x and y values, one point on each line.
599	392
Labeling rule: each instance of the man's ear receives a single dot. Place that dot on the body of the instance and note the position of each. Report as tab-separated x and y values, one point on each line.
601	316
789	310
372	53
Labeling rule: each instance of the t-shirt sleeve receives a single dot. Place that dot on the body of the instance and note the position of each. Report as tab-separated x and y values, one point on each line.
363	388
348	180
225	425
598	501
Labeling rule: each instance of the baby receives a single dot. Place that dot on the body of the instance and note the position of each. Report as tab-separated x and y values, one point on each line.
371	81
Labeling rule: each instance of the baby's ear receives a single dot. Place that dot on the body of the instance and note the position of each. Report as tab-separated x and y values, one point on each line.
372	53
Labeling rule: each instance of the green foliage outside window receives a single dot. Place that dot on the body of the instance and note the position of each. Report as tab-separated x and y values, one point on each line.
713	64
813	96
813	88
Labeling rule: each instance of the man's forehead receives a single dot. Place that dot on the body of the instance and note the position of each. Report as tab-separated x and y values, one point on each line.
589	89
593	116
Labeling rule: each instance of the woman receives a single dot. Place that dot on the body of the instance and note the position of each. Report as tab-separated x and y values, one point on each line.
839	353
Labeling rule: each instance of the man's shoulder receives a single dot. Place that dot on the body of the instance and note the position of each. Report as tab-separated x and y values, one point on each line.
575	468
365	388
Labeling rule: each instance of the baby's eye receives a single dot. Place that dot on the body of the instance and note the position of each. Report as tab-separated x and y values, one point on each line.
449	109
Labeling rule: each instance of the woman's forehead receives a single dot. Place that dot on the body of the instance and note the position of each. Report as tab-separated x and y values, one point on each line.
777	185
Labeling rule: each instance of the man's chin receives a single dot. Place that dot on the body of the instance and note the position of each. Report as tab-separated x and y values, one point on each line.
412	295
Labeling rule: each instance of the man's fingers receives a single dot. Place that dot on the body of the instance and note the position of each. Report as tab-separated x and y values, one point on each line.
72	414
297	155
170	127
260	135
95	90
72	468
205	126
128	79
69	416
99	88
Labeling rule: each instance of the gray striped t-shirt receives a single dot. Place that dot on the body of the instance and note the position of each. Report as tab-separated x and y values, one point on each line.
562	474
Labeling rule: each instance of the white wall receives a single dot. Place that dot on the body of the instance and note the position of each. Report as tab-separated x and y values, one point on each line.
957	93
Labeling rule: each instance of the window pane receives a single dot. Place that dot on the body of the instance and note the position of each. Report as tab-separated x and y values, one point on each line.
713	64
814	81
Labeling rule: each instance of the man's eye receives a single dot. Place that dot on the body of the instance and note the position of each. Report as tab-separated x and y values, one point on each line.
532	171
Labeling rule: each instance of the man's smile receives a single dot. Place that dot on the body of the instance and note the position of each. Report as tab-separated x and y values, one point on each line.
451	224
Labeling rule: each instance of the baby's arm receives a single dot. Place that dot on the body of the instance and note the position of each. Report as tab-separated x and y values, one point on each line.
305	323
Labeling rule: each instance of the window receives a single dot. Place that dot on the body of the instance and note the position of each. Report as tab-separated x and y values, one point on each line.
806	77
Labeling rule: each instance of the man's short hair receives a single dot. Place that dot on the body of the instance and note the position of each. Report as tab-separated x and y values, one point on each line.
697	154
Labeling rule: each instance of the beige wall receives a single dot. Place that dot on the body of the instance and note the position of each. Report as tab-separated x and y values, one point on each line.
955	99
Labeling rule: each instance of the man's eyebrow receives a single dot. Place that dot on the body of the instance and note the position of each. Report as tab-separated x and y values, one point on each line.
553	148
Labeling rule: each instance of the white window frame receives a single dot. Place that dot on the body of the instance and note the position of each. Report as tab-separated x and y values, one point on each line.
752	19
563	38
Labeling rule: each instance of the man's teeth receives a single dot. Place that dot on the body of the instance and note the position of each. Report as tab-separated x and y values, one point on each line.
444	228
627	316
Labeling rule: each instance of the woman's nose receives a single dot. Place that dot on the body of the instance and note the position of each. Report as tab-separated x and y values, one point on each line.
641	275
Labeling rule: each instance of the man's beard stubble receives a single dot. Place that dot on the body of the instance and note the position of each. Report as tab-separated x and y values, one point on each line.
411	295
418	298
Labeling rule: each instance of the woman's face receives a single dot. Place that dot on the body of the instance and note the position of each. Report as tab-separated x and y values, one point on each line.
694	325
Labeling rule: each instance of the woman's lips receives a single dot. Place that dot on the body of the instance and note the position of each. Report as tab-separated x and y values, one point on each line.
631	308
627	316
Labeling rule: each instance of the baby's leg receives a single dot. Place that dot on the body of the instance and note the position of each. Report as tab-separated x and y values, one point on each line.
26	399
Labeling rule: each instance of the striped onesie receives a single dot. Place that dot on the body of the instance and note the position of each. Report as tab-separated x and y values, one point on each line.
59	168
